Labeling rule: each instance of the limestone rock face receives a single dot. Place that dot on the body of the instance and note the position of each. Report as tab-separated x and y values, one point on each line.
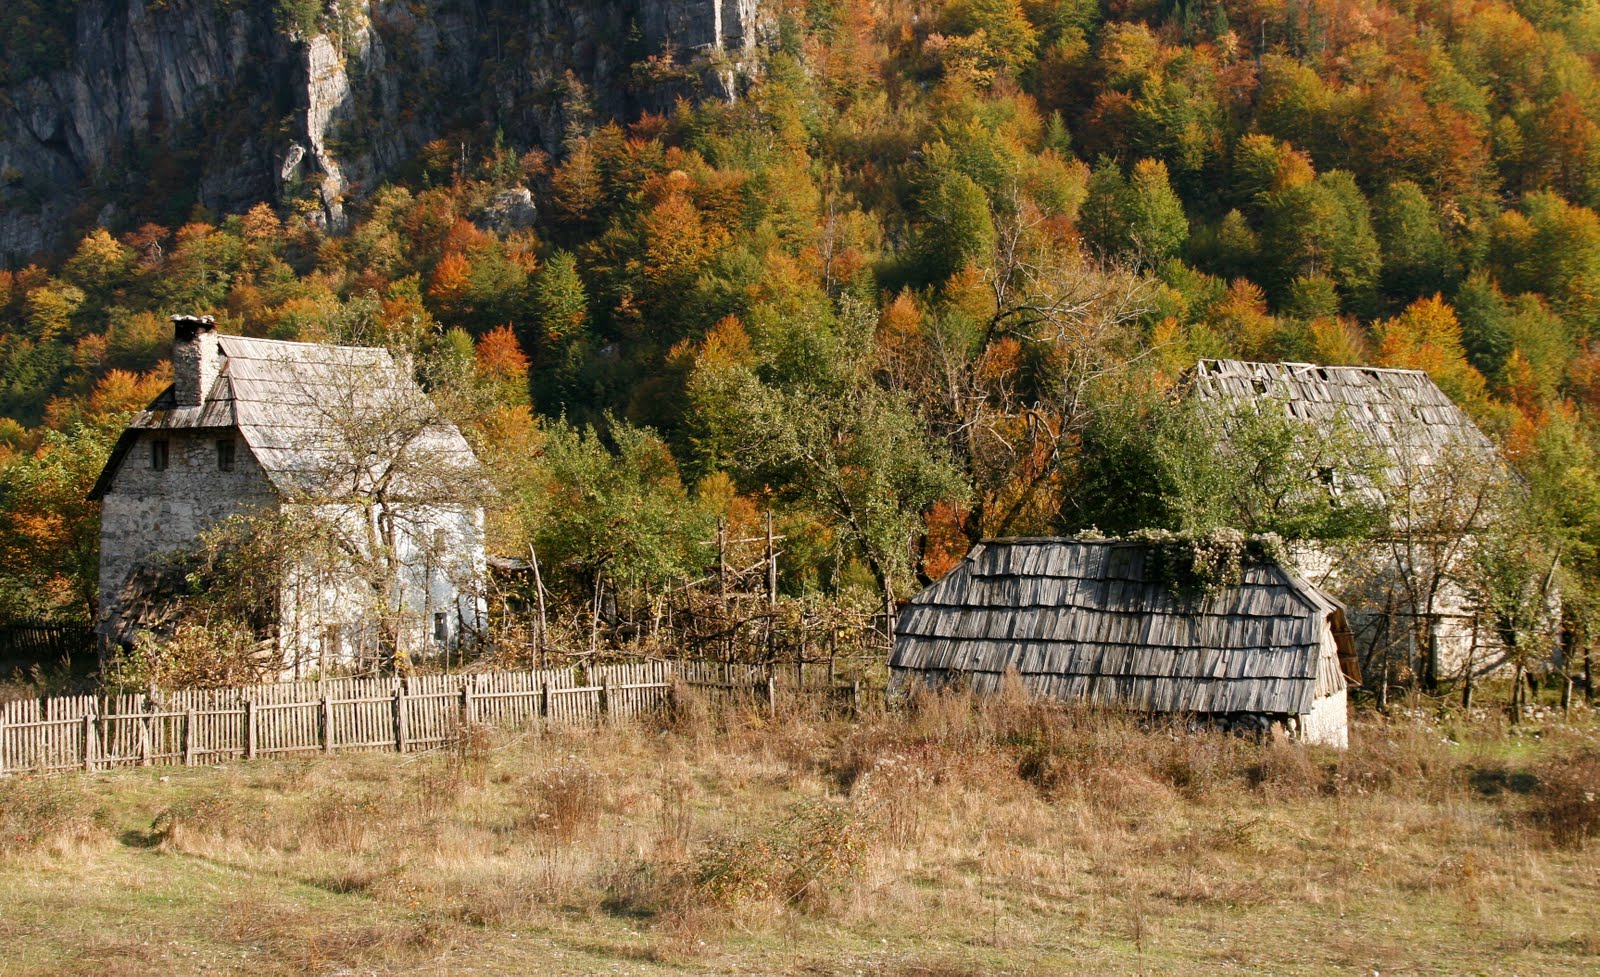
510	210
251	111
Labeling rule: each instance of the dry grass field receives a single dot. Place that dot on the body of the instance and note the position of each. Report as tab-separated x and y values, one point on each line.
958	837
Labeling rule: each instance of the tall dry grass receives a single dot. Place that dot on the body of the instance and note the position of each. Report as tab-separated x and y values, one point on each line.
979	814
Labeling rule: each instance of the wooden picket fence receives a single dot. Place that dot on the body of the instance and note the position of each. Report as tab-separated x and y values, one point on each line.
403	714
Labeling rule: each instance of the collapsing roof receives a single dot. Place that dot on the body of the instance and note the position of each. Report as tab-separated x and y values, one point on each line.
306	410
1091	620
1400	412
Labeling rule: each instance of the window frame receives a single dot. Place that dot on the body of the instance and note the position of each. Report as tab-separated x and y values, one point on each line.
227	454
160	454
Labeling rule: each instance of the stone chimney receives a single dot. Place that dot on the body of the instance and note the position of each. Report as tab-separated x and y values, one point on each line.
195	359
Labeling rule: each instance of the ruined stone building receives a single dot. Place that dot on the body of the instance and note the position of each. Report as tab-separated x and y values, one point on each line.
336	451
1413	607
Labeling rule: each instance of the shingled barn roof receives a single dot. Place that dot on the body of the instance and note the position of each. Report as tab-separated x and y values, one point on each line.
1401	412
290	403
1083	620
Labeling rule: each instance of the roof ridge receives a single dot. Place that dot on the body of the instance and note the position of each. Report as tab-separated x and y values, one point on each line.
1297	364
305	345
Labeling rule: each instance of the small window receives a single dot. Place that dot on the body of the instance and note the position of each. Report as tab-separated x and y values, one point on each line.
224	454
441	628
158	455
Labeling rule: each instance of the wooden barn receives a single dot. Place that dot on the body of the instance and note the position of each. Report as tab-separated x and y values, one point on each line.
1084	620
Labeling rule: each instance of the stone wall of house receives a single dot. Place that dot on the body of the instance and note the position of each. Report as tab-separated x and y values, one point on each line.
150	512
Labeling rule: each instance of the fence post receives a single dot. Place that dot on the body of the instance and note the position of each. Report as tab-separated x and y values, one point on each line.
605	700
188	736
249	729
327	725
466	704
5	759
400	720
772	697
88	741
144	736
544	698
855	699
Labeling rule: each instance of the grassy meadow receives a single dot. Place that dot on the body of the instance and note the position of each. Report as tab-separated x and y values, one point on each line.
955	837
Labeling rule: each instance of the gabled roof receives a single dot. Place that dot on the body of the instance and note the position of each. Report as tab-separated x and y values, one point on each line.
293	405
1083	620
1401	412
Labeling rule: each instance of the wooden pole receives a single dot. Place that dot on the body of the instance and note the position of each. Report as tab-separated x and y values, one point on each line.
722	595
88	741
327	725
605	700
188	737
400	720
249	729
144	738
772	591
466	704
538	589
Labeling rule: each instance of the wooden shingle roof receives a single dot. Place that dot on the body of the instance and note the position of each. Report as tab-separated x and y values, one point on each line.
293	405
1400	412
1083	620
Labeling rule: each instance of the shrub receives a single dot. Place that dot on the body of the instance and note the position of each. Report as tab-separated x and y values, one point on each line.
565	799
183	826
45	815
1567	800
797	862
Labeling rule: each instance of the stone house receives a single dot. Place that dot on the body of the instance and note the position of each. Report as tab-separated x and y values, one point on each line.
1093	621
1413	606
335	446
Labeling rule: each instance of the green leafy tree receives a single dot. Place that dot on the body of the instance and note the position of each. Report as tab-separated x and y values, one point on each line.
1417	260
1196	465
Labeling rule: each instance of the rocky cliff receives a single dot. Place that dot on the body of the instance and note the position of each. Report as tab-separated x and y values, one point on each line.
220	103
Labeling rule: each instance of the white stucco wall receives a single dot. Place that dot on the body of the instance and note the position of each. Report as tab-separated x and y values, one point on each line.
329	619
1328	722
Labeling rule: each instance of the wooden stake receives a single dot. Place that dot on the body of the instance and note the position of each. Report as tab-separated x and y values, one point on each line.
399	721
327	725
249	730
538	589
88	741
188	737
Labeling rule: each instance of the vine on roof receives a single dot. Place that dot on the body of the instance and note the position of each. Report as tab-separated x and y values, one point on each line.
1199	564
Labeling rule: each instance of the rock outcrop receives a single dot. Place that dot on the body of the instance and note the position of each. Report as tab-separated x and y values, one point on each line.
161	108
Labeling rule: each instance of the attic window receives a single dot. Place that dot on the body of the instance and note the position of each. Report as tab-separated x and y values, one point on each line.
158	455
224	454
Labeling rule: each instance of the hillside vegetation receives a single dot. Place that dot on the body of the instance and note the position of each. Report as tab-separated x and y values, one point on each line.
996	837
923	282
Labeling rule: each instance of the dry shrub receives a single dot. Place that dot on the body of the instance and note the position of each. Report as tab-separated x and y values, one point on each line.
1286	769
1396	759
564	800
46	815
798	862
470	748
190	825
1567	801
346	823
